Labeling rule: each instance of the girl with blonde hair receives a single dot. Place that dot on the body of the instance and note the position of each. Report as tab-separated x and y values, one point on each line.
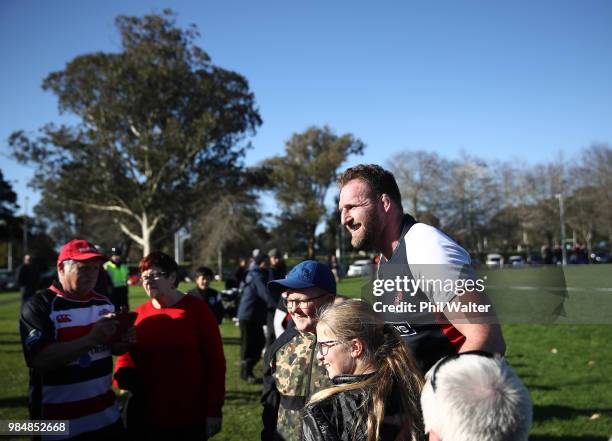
377	384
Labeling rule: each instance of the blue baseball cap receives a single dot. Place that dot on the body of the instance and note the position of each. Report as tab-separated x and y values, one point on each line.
306	274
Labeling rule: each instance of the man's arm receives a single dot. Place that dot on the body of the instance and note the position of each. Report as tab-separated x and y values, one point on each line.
433	256
55	355
481	329
482	338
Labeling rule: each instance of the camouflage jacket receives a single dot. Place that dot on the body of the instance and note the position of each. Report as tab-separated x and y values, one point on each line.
291	375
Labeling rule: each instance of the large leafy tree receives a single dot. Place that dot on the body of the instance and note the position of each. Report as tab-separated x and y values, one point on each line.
8	205
8	199
302	176
159	125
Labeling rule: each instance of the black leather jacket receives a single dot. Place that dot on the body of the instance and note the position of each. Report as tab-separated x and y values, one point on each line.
342	418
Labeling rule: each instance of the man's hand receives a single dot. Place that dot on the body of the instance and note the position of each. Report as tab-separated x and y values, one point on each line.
127	339
59	354
130	336
103	330
213	426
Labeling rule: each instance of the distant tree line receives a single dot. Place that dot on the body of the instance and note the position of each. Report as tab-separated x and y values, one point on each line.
510	206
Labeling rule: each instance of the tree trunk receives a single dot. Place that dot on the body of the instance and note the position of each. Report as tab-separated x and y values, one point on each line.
311	242
589	242
146	235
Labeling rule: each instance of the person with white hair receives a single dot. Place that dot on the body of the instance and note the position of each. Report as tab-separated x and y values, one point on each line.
475	396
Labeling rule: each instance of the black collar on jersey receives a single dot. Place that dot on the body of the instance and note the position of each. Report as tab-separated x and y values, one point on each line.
407	223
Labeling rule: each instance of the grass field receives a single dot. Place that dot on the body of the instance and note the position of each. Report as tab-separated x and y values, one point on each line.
566	368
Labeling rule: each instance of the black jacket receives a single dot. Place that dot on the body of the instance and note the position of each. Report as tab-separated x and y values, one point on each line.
256	299
28	277
341	417
212	299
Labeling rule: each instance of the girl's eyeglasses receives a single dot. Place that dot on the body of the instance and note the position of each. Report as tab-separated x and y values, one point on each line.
323	346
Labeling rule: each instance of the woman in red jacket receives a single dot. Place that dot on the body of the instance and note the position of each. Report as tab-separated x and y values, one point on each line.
176	370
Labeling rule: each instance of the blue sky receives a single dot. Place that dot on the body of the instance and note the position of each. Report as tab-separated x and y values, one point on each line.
501	80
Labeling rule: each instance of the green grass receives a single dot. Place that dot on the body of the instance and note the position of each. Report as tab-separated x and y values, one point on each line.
569	385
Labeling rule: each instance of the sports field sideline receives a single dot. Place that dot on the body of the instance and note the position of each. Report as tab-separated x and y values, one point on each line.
566	367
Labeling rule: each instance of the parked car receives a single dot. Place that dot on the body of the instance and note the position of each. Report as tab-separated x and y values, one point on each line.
8	281
359	268
535	259
494	260
516	261
599	257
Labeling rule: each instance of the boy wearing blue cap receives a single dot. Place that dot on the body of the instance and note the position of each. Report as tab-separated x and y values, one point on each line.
291	371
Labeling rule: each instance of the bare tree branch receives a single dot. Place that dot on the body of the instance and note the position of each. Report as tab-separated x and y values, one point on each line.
139	240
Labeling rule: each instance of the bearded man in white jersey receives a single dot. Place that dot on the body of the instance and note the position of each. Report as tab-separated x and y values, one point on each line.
371	209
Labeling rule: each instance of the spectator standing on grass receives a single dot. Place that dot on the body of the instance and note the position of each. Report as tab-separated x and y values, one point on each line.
203	291
475	396
176	371
118	272
278	270
370	207
104	285
376	383
28	278
255	301
334	266
277	264
291	371
241	272
66	332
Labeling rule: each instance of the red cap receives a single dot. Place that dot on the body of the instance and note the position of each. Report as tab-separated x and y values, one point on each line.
78	249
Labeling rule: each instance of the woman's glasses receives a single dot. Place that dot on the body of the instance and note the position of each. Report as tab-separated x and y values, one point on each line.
153	276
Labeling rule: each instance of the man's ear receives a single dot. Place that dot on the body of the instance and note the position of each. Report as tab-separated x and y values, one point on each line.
386	202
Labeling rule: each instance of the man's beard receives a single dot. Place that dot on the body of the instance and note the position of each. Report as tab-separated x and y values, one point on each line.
369	227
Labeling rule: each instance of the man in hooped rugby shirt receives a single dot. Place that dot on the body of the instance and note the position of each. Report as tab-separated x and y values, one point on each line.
68	336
